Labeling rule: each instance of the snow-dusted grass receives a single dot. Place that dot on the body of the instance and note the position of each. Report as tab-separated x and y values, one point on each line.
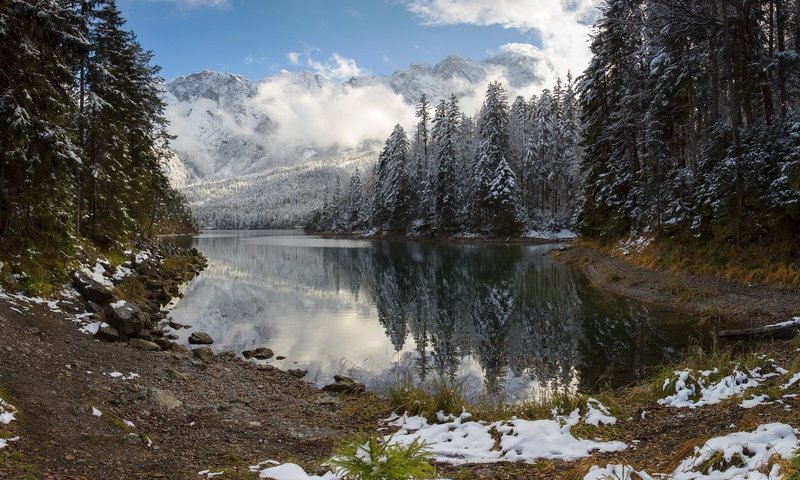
7	415
742	455
616	472
689	388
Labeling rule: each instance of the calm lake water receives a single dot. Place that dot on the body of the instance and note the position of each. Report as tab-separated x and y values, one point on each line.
504	320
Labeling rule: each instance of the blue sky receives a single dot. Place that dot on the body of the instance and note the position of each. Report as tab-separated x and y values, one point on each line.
338	38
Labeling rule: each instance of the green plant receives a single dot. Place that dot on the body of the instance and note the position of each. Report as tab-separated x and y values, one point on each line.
373	457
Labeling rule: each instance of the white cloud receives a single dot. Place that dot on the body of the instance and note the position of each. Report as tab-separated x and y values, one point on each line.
293	57
248	60
331	114
563	25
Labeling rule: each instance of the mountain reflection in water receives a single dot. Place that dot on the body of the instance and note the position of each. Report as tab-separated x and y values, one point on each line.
504	320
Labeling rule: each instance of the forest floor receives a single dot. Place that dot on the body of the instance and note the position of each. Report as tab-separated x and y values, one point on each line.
179	417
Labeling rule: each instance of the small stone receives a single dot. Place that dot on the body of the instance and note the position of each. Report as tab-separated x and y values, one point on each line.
176	374
280	357
162	400
266	368
200	338
143	345
204	354
254	424
178	348
261	353
177	326
297	373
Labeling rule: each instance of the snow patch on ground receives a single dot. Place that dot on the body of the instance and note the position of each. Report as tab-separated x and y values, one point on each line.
122	376
96	412
598	414
97	273
690	384
616	472
289	471
755	401
7	415
93	328
459	440
744	453
563	234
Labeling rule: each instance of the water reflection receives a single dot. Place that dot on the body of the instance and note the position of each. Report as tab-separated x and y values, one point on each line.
502	319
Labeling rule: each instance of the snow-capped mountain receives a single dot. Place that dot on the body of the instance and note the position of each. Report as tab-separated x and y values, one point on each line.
234	131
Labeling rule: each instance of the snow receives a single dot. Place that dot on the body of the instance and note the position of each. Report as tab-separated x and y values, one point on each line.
688	386
129	376
795	378
290	471
550	235
7	412
615	472
752	449
96	412
4	441
459	440
97	273
129	424
210	474
755	401
93	328
598	414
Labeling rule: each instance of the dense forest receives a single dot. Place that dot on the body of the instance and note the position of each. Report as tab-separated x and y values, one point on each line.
690	121
503	171
82	131
685	126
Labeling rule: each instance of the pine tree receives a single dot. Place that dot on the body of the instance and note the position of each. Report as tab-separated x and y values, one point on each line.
445	127
355	202
495	201
392	207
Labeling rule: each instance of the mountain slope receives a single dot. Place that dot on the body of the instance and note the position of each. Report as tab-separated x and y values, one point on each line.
240	143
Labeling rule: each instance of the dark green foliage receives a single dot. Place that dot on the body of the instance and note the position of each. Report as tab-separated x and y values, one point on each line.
691	122
371	457
82	131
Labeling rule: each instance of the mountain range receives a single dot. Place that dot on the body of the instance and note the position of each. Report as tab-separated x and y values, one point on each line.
261	153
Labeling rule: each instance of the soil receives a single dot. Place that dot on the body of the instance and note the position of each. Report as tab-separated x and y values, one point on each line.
233	413
749	305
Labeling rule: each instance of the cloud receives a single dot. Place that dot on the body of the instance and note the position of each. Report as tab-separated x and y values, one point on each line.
330	114
563	25
293	57
248	60
337	67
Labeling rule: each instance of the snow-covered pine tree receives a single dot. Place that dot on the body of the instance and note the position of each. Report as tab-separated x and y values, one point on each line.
495	202
444	131
392	206
355	202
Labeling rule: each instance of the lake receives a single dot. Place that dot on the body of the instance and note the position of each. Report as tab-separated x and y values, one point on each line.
502	320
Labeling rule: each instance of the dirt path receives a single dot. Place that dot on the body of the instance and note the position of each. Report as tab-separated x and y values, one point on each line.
703	294
231	413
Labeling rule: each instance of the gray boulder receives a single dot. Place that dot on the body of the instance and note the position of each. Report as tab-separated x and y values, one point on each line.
126	318
204	354
91	290
143	345
261	353
344	384
200	338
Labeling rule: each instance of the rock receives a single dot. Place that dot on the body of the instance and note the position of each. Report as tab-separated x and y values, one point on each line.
178	348
280	357
159	399
171	336
108	334
145	335
266	368
200	338
126	318
176	374
297	373
261	353
91	290
194	251
164	343
344	384
177	326
227	355
92	307
204	354
143	345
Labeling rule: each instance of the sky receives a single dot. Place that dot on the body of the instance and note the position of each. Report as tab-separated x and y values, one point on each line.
344	38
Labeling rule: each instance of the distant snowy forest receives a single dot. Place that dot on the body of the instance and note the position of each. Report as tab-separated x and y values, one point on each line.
684	124
507	170
82	131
